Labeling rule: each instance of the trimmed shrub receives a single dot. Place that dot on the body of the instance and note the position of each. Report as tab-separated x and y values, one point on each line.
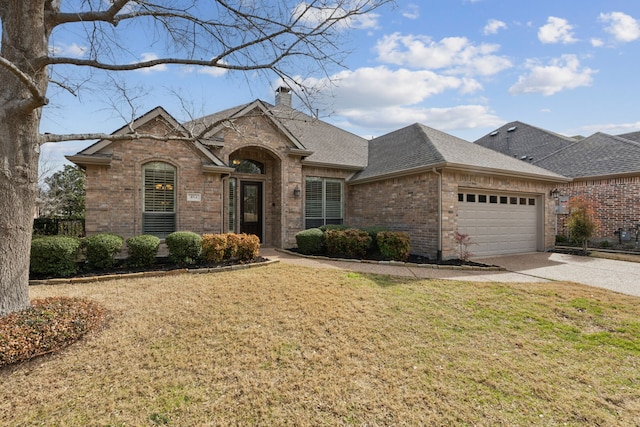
394	245
142	250
334	227
54	256
353	243
248	247
184	247
373	231
101	249
311	241
214	247
233	240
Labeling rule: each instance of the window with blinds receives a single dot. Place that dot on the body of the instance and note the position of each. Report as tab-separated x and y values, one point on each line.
323	202
159	199
231	207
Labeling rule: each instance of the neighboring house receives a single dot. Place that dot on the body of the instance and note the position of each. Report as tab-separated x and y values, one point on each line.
604	168
273	171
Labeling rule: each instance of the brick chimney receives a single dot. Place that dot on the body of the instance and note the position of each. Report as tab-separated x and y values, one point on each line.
283	96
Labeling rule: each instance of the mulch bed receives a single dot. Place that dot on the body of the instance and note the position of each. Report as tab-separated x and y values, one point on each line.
162	264
413	259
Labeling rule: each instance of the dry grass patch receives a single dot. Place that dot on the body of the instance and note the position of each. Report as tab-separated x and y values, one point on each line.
285	345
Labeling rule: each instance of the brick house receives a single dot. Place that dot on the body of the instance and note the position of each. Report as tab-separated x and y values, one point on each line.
603	168
272	171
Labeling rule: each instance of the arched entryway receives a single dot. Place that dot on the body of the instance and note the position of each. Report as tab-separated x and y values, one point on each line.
254	196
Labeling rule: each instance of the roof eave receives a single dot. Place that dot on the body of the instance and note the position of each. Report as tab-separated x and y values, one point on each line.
84	160
332	165
395	174
214	169
506	173
607	176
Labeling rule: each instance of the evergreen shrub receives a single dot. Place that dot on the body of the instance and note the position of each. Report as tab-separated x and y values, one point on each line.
142	250
54	256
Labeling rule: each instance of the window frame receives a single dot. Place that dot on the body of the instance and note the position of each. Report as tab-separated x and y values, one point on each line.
159	183
327	204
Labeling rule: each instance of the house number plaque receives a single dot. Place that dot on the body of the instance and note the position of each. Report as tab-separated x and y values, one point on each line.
194	197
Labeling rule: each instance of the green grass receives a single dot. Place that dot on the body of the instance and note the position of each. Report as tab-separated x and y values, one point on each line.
285	345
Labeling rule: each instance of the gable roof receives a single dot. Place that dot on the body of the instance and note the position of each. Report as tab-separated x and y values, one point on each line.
418	147
99	153
524	141
598	155
633	136
319	142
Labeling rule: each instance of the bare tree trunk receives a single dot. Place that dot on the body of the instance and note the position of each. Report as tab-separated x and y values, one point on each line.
24	37
18	180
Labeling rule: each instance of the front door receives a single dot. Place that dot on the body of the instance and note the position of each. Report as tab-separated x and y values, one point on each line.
251	208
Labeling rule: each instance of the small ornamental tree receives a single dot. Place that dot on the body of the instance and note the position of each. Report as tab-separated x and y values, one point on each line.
582	222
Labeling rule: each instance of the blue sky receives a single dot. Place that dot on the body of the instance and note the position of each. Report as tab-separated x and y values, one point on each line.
461	66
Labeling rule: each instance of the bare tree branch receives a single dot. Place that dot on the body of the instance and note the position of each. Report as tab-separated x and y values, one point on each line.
37	99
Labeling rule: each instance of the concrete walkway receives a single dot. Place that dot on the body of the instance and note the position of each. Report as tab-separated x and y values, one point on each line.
619	276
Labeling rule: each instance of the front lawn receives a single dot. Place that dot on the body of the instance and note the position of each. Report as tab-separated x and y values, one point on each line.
287	345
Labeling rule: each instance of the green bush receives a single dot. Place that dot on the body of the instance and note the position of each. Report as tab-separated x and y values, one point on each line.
54	256
184	247
311	241
248	247
142	250
214	247
101	250
394	245
373	231
334	227
353	243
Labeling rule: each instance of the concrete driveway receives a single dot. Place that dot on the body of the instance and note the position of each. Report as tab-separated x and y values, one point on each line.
619	276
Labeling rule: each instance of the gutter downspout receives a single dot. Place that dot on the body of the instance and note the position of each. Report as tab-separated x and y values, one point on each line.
439	253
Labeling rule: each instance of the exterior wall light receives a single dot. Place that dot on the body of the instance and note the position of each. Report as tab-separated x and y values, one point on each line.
296	191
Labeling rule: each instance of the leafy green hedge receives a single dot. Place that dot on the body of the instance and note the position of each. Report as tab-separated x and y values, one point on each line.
101	250
184	247
310	241
394	245
351	242
54	256
142	250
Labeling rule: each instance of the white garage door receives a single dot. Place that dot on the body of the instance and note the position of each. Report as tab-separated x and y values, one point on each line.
498	223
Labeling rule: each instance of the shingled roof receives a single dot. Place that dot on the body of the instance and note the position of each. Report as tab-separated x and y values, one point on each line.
327	145
523	141
633	136
598	155
419	147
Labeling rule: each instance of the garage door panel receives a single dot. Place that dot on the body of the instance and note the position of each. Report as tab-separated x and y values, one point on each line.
497	229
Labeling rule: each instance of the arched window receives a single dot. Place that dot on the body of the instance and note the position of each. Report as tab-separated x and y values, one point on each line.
247	166
158	199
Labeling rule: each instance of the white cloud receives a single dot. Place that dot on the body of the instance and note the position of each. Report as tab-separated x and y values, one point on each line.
561	73
444	119
557	30
596	42
69	50
610	128
312	15
381	98
412	11
493	26
456	55
623	27
150	56
379	87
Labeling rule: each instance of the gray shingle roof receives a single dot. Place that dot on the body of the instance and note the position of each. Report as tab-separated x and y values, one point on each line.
633	136
520	140
419	146
330	145
597	155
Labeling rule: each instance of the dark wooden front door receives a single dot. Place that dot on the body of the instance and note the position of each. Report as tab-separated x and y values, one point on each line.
251	208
